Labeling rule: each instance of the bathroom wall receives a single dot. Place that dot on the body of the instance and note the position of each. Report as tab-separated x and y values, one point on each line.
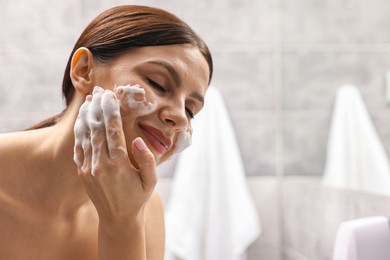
299	216
278	64
310	234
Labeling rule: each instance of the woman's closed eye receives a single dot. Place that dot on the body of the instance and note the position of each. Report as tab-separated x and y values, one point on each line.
155	85
190	113
160	88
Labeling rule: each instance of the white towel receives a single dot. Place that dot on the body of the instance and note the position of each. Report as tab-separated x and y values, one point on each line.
363	239
210	214
356	158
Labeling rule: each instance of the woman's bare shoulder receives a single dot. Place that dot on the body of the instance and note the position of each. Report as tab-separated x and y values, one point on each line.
11	148
13	153
9	140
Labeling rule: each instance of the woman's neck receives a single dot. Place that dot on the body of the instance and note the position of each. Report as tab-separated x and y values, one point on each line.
53	177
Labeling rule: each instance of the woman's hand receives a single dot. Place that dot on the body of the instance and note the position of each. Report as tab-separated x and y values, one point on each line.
118	190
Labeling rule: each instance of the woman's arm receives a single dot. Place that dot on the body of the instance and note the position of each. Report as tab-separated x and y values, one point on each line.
111	244
149	235
120	192
118	241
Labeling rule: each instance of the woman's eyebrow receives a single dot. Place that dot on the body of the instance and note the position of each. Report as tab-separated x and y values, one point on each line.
170	69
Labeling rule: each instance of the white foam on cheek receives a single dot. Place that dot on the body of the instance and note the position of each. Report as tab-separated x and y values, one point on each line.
183	141
134	98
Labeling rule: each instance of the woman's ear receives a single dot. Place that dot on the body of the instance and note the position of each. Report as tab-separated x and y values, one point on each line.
81	70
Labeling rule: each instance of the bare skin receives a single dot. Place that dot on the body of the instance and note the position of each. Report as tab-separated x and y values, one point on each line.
50	209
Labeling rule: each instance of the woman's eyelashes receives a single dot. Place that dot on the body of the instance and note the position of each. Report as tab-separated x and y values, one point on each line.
162	89
190	113
155	85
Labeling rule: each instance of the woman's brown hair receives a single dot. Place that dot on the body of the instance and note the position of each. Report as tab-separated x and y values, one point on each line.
123	28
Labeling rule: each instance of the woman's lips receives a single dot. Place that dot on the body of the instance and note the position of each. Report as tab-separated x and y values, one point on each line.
155	138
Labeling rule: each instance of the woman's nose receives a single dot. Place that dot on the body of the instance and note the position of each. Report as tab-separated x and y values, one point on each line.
174	115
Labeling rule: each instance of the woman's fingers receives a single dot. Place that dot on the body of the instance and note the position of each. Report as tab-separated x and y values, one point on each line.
97	129
114	185
116	142
79	130
146	164
100	139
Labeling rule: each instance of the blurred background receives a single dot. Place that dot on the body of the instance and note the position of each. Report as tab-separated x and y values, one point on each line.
278	65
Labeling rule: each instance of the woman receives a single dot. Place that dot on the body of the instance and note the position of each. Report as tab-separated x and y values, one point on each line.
104	206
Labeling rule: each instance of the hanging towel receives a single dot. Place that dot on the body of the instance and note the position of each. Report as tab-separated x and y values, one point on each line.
356	158
210	214
363	239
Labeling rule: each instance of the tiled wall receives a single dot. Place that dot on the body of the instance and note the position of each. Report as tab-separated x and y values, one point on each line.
299	216
312	215
278	64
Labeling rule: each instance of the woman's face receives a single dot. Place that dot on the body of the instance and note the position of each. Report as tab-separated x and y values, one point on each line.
174	78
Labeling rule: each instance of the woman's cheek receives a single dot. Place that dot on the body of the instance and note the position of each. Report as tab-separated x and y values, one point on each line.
134	101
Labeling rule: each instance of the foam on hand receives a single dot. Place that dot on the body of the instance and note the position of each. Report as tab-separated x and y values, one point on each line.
81	132
90	120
